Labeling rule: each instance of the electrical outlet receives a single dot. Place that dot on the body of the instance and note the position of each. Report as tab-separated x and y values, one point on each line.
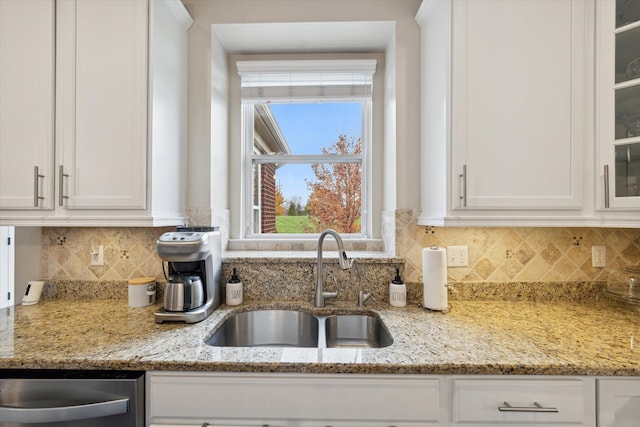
457	256
97	256
598	256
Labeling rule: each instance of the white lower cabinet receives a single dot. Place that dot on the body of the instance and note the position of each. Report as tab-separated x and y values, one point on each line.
181	399
523	401
309	400
618	402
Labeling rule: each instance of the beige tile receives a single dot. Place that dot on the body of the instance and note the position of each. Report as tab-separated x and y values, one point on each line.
537	240
524	253
511	239
484	268
533	270
499	276
138	254
510	267
551	253
579	254
631	254
561	271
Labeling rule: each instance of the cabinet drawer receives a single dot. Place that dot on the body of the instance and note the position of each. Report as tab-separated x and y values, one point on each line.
304	398
523	401
618	402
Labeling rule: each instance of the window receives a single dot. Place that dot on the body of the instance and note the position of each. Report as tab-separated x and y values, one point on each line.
306	135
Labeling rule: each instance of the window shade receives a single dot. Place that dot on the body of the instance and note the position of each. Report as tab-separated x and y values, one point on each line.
306	80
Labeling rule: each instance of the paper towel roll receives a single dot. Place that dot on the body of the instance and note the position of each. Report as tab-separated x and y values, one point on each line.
434	278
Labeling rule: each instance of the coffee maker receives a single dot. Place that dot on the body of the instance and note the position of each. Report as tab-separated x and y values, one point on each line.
194	260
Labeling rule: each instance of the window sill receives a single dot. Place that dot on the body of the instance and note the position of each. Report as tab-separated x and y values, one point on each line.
303	248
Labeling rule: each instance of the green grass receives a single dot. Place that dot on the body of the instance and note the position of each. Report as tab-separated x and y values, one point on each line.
292	224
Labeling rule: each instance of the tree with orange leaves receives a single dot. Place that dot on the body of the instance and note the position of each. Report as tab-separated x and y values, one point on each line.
335	199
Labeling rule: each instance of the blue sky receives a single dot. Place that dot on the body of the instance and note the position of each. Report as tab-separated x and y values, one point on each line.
307	128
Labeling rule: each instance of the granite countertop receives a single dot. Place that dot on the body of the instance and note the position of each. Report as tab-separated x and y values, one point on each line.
473	337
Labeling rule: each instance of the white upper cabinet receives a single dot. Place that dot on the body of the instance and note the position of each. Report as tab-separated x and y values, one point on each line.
618	111
102	104
27	61
118	154
503	112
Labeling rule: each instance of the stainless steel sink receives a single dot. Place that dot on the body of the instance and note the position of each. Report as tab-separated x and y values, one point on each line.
262	328
356	330
291	328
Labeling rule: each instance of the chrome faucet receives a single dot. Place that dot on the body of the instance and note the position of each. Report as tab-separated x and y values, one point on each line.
343	261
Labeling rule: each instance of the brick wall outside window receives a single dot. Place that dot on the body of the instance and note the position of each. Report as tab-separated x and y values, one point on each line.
268	198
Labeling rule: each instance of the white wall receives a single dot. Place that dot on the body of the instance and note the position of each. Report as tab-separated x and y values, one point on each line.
20	261
28	258
207	121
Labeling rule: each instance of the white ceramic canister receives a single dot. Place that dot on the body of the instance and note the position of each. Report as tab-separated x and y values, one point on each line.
142	291
32	293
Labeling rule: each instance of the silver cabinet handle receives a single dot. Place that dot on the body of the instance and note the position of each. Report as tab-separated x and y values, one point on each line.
536	408
64	413
36	187
61	195
606	186
463	176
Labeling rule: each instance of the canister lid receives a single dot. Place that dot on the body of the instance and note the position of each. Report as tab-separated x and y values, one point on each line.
142	280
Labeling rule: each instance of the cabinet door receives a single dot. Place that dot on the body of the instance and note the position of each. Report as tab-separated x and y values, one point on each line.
618	106
102	104
517	104
301	399
618	402
26	104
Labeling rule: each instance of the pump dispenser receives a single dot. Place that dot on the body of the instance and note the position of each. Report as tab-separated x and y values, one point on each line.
397	291
234	290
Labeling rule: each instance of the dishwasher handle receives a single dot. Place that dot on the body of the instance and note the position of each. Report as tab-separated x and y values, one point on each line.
64	413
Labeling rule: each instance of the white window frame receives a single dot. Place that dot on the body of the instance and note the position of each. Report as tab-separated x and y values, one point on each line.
256	208
247	135
7	266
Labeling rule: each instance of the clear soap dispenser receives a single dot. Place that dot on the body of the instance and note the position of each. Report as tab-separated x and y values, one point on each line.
397	291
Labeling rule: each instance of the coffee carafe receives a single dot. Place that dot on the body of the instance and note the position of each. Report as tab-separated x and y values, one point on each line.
194	260
183	292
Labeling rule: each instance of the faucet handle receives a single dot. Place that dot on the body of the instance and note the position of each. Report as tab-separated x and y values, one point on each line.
363	297
331	294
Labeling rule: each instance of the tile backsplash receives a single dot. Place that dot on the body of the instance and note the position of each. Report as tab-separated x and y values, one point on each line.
495	254
128	253
513	254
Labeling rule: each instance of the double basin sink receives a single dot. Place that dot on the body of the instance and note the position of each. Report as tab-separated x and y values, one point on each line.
292	328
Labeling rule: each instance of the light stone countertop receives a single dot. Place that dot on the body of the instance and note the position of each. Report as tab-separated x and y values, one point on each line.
474	337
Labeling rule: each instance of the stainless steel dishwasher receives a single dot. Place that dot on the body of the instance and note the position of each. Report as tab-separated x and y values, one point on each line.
71	398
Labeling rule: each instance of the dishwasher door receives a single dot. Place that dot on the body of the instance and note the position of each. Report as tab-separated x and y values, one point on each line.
71	398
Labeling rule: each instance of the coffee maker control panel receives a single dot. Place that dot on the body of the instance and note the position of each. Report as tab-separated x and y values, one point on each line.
184	246
181	236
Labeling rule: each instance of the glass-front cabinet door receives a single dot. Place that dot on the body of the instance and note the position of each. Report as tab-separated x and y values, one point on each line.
618	104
